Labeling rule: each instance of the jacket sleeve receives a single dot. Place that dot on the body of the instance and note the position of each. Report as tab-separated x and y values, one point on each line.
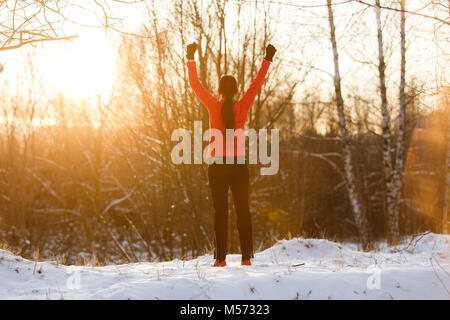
202	94
249	96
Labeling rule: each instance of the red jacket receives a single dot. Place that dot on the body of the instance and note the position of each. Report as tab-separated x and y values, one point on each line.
240	108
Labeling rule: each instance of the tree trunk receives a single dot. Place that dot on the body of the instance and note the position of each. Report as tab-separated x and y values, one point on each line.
400	152
391	194
358	211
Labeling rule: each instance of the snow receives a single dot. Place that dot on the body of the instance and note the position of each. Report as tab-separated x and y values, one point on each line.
291	269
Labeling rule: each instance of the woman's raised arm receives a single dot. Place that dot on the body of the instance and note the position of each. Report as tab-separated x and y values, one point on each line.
200	91
250	95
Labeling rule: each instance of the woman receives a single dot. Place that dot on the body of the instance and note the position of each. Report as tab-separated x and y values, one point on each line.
228	112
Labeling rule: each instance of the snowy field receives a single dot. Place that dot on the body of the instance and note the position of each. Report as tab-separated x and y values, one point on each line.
291	269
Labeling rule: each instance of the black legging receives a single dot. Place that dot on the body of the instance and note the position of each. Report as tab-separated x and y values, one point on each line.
221	178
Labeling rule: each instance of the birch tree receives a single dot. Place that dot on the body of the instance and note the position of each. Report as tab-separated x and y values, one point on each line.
392	213
400	152
393	162
357	208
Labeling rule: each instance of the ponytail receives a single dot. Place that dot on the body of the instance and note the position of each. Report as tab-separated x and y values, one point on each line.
227	112
227	89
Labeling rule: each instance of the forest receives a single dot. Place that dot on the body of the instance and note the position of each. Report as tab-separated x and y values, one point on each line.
358	90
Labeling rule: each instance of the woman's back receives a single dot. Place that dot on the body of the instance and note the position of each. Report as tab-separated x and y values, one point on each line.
240	110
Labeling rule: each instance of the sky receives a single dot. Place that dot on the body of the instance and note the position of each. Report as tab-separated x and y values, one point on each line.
85	66
82	67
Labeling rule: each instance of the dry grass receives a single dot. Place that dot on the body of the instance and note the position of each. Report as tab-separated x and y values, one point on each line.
5	247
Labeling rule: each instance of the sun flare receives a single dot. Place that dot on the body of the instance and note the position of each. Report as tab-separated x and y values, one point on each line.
83	68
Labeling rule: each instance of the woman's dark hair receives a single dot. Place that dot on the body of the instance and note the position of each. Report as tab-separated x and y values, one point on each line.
228	88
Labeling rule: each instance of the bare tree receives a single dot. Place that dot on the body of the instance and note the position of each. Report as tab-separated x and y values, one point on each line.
393	227
357	208
26	22
443	5
397	176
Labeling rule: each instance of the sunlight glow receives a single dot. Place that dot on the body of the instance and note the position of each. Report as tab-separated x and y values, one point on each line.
83	68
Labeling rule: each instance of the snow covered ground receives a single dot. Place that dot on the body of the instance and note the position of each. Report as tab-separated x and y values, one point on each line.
291	269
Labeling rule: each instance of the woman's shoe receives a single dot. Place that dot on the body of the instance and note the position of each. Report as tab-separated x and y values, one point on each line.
220	264
246	263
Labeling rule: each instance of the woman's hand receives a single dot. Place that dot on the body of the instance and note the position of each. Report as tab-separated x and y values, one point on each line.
190	52
270	52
